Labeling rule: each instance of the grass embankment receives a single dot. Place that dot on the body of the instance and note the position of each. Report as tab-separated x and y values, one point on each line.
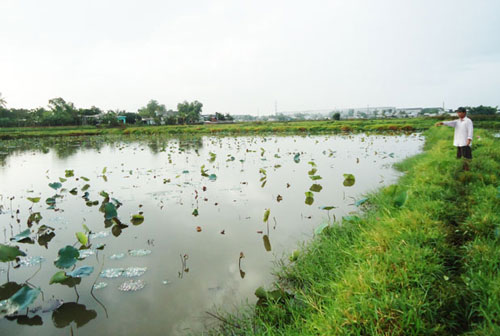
330	126
423	259
306	127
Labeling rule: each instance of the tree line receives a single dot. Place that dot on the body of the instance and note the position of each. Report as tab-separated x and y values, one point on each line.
59	112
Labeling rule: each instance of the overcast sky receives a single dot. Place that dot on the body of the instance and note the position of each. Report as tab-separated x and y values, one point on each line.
240	57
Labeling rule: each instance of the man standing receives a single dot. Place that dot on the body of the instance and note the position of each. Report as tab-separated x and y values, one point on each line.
463	134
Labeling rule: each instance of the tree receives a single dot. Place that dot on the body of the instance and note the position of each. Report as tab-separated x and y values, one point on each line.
482	110
3	102
153	110
63	113
219	116
189	113
336	116
131	118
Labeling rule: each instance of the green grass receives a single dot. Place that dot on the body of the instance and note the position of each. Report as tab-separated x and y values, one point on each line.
424	259
393	125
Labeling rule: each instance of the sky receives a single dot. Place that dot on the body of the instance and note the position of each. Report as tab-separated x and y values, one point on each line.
250	57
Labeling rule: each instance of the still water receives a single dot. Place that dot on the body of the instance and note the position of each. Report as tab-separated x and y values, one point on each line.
201	245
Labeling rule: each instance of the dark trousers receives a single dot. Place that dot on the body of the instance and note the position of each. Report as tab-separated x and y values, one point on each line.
465	152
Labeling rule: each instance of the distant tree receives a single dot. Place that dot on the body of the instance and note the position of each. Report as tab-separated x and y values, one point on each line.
63	113
336	116
219	116
110	119
90	111
229	117
153	110
482	110
3	102
189	113
131	118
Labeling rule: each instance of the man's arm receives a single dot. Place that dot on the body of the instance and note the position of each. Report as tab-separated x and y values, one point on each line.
470	131
452	123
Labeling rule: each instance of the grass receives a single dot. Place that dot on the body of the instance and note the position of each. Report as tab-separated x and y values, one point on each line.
329	126
423	259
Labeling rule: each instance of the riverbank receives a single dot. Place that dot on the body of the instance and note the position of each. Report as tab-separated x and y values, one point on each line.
422	259
329	126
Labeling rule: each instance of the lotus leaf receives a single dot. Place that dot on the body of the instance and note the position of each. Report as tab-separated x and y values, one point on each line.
58	277
9	253
34	199
55	185
82	238
349	180
81	272
137	219
110	211
21	236
67	257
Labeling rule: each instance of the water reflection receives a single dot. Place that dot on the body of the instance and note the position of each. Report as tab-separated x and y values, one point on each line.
131	204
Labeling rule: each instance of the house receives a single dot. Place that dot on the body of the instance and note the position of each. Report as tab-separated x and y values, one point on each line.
148	121
122	119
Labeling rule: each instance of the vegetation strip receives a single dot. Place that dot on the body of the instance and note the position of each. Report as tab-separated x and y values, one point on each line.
423	259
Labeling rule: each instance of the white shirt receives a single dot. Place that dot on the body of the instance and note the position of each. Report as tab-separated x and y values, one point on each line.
463	131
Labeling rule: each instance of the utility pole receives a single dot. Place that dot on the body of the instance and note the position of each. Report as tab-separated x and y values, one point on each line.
276	107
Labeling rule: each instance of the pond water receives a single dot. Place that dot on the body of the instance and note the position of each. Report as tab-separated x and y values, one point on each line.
203	243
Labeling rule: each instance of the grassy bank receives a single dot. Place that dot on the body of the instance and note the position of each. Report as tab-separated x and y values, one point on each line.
424	258
418	124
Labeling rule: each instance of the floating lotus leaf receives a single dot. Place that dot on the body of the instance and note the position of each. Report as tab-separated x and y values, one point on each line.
296	158
21	236
82	238
34	199
315	177
266	215
137	219
34	217
73	191
55	185
62	179
349	180
50	201
267	243
67	257
309	200
69	173
316	188
9	253
327	207
81	272
110	211
212	177
58	277
84	178
86	187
